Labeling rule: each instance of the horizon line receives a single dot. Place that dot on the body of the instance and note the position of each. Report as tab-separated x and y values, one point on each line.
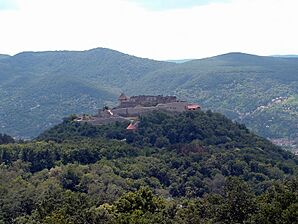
290	55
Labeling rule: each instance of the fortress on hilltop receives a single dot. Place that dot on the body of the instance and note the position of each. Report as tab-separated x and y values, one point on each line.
130	108
145	101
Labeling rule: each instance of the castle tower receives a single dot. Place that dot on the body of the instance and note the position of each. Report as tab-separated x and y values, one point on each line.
123	99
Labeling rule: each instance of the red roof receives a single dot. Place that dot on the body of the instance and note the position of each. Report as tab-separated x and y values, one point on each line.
131	127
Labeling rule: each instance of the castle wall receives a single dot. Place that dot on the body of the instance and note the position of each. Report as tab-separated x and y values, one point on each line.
136	106
146	101
173	107
102	121
133	111
125	104
139	110
121	112
104	113
136	111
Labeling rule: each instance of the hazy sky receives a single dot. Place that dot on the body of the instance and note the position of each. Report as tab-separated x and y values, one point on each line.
158	29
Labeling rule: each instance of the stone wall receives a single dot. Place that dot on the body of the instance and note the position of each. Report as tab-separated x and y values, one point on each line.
133	111
102	121
136	106
139	110
147	101
173	107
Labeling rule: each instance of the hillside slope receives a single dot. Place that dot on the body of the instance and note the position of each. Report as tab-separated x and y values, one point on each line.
2	56
37	89
262	92
194	167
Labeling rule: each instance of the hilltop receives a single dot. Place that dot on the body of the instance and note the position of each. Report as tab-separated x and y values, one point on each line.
38	89
183	168
2	56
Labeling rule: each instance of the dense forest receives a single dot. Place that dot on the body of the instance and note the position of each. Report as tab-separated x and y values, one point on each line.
38	89
5	139
195	167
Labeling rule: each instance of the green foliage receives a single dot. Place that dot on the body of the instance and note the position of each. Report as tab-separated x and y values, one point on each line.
161	129
5	139
201	168
279	204
138	207
71	130
239	202
38	89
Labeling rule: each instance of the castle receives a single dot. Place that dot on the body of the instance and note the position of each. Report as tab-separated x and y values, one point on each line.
145	101
130	108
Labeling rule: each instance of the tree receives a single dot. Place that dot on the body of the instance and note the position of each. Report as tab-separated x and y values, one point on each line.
239	205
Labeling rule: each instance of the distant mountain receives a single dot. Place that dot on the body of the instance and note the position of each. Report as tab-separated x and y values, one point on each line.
287	56
180	60
2	56
38	89
259	91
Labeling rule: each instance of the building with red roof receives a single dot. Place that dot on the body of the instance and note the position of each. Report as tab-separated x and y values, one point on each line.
131	127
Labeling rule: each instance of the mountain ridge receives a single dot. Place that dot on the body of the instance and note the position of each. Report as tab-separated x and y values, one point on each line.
3	56
233	83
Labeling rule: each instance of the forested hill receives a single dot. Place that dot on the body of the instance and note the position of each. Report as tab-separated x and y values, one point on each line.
38	89
206	131
2	56
5	139
261	92
195	167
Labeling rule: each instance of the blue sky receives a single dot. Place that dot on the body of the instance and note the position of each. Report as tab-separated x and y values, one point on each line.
7	4
173	4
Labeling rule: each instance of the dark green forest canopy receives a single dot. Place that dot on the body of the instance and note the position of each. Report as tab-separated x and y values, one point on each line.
5	139
161	129
195	167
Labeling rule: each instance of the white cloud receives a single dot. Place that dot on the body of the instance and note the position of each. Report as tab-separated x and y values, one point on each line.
255	26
